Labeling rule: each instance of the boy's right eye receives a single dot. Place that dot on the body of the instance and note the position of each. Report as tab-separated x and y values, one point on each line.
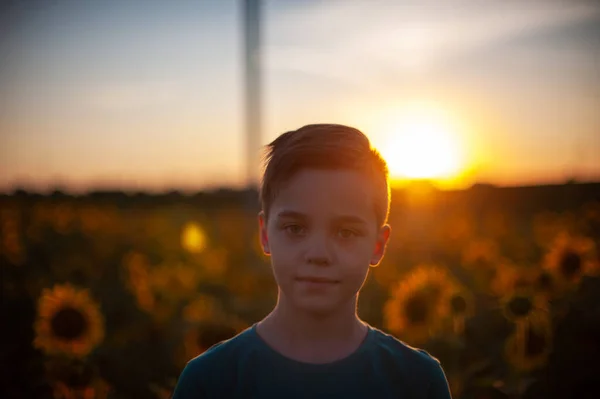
294	229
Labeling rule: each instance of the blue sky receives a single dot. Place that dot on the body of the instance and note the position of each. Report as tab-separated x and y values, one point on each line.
148	94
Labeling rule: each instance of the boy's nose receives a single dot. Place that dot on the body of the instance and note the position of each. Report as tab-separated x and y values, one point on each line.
319	260
318	252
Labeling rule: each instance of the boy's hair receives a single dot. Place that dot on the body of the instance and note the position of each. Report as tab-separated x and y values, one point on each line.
324	146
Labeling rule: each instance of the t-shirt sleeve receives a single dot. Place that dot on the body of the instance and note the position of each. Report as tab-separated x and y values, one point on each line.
189	384
438	385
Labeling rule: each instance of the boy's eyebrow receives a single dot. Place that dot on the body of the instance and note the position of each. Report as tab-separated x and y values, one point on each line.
350	219
339	218
291	214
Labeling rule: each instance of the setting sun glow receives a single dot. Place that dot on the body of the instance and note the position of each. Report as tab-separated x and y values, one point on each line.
423	146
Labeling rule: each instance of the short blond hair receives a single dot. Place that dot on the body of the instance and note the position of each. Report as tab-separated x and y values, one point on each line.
324	146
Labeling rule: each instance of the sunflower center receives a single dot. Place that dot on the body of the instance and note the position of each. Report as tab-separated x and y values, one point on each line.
458	304
570	264
520	306
69	323
535	345
544	281
417	308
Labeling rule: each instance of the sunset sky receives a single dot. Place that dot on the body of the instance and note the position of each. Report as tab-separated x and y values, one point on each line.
147	95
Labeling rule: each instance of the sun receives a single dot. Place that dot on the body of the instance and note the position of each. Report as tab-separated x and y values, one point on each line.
423	145
424	150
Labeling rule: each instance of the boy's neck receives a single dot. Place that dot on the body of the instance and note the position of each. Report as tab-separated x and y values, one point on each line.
310	338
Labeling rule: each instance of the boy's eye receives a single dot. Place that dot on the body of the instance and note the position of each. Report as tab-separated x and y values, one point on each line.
347	233
294	229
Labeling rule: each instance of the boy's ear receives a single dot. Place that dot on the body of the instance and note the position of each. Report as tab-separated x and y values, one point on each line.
383	237
264	239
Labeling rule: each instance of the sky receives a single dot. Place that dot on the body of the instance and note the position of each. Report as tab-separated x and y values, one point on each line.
148	95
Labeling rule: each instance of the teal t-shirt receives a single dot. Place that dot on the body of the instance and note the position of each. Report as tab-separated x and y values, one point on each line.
246	367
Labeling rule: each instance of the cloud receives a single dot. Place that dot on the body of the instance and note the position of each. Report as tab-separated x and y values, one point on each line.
353	41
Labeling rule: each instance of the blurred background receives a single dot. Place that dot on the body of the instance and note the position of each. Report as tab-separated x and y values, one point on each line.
130	136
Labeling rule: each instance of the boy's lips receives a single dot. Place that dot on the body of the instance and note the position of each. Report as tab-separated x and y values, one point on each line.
321	280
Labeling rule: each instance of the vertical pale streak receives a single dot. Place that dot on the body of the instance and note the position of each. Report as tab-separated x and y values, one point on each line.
252	108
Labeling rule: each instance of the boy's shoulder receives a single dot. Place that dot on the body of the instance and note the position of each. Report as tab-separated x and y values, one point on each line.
231	367
400	353
214	366
413	371
381	345
224	352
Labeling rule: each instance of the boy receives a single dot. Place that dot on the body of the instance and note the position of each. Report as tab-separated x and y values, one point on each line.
325	201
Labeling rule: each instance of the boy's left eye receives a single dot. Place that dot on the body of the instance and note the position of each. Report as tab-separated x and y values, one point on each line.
294	229
346	233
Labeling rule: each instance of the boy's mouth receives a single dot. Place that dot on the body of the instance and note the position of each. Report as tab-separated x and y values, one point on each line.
318	280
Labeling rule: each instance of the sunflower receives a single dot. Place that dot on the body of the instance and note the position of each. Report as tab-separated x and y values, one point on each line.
420	303
528	349
69	322
522	305
570	258
462	306
75	379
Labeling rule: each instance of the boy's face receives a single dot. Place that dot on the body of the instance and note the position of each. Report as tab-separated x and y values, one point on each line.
322	235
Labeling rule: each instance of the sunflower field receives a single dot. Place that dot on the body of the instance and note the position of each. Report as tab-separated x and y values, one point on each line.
108	295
